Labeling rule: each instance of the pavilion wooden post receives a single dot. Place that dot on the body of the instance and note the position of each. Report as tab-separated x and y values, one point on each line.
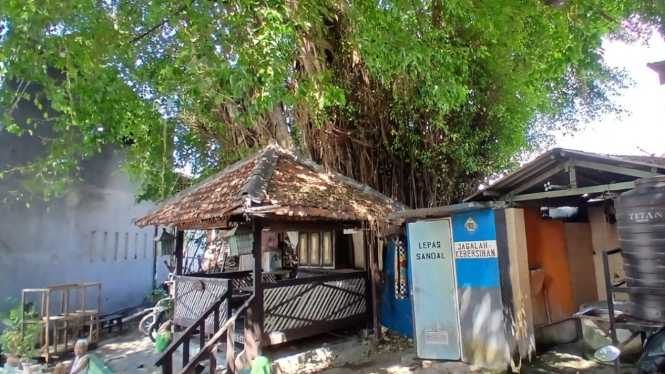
254	316
179	251
154	258
371	243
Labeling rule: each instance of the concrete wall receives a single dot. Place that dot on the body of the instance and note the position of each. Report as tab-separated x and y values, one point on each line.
85	236
604	237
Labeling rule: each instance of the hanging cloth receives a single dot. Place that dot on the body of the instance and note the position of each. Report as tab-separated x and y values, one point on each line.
401	268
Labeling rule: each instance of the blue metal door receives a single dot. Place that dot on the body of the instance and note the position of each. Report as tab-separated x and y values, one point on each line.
434	290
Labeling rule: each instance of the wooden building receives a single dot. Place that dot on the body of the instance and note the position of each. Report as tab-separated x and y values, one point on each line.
276	191
550	223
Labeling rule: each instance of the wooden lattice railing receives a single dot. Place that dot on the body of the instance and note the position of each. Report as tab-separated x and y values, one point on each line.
303	307
208	349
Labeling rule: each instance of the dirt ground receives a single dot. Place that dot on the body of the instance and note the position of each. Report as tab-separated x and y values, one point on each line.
130	352
565	359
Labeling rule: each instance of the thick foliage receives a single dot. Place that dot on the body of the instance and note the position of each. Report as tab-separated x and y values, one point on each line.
420	99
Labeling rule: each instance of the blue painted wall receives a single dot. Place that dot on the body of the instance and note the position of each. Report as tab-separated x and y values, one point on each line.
481	271
397	315
481	308
479	290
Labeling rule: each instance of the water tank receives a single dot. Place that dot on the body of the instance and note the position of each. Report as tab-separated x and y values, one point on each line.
640	217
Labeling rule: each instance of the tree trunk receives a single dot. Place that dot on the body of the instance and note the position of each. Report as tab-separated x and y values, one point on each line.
281	129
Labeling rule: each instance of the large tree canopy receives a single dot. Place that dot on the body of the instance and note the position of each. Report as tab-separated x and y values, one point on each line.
420	99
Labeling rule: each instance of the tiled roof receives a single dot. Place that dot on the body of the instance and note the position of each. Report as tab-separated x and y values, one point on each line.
274	181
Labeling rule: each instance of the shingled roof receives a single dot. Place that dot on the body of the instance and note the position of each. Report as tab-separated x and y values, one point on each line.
274	182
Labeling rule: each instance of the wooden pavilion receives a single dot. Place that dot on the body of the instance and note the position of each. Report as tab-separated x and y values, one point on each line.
275	190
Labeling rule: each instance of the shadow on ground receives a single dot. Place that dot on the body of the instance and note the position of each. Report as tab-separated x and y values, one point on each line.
131	352
568	359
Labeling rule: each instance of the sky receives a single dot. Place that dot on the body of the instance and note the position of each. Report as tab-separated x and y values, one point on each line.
643	127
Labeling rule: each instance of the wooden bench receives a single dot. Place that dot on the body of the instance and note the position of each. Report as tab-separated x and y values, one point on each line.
110	321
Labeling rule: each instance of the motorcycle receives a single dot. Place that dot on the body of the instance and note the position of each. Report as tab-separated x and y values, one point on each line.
652	360
159	314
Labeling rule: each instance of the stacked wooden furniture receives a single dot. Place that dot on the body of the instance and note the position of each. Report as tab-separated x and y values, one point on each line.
65	316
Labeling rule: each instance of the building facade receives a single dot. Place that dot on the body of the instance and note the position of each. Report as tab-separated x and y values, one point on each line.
87	235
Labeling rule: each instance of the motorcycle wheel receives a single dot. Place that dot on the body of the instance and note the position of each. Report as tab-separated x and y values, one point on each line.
154	328
146	323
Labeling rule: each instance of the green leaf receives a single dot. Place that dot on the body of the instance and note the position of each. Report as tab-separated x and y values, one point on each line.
446	96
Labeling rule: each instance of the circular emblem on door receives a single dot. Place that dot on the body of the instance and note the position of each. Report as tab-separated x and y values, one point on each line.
470	225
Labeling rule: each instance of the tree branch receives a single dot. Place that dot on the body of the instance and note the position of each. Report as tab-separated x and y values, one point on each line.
157	26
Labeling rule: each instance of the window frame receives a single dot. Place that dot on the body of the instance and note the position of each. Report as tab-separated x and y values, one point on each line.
320	264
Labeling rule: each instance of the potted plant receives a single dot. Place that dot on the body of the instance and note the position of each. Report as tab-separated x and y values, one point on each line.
16	345
157	294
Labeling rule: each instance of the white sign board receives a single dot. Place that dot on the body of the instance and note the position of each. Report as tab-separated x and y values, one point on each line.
479	249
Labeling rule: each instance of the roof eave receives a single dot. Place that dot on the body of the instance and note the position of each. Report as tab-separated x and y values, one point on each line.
550	158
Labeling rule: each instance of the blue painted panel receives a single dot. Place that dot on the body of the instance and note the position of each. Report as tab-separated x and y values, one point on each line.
434	290
477	272
484	220
396	315
474	236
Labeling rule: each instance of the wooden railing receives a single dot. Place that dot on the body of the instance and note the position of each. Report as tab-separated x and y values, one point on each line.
194	296
206	348
298	308
209	350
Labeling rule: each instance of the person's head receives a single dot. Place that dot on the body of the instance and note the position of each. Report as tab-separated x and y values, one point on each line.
81	347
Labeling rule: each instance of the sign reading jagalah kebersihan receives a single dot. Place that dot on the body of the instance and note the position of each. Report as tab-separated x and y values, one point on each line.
479	249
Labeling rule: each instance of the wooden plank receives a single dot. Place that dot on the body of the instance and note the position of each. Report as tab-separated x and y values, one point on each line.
254	316
308	305
572	176
167	368
574	192
202	334
179	251
212	368
217	336
154	258
190	303
444	211
616	169
538	179
374	284
189	332
282	225
185	352
280	337
230	349
316	279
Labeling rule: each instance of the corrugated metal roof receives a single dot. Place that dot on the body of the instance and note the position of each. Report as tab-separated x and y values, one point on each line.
549	164
278	182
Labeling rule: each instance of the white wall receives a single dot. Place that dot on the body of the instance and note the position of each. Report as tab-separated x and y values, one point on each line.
85	236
